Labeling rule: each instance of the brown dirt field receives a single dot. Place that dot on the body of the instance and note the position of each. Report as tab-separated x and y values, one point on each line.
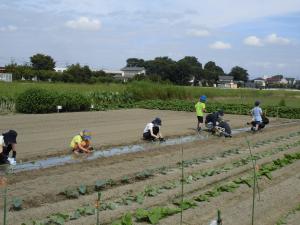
44	135
40	189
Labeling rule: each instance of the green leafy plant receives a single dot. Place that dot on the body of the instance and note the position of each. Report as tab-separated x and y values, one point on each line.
82	189
71	193
100	184
17	203
125	220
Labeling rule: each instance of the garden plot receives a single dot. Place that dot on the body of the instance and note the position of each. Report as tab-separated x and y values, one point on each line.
138	182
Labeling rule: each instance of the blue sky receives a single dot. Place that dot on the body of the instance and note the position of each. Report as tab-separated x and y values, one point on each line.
260	35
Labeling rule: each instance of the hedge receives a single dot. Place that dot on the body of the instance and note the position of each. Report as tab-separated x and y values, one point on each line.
37	100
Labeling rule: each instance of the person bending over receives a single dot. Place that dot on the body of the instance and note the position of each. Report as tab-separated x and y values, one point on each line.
8	143
152	131
81	142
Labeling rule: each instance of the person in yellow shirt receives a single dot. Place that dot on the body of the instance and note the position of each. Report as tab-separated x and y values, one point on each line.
81	142
200	110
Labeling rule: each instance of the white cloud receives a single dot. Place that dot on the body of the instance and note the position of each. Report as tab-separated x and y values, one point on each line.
9	28
274	39
84	23
220	45
253	41
198	32
281	65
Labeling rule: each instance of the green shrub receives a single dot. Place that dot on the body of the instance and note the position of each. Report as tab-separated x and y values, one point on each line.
72	101
36	100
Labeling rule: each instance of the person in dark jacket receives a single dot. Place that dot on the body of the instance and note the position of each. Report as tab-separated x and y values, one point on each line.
213	118
8	143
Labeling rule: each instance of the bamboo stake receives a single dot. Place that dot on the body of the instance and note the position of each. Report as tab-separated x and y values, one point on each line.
98	207
182	177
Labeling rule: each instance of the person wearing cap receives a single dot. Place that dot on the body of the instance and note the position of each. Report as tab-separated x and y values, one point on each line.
152	130
8	141
81	142
257	114
200	110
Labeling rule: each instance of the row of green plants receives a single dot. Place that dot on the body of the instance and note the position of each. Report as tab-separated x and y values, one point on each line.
283	219
103	184
155	214
151	191
238	108
43	101
75	192
150	95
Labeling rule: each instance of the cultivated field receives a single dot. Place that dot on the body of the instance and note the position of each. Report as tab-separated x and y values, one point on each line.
217	171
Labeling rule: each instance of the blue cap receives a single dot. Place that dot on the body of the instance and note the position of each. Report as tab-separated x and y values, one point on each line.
203	98
86	134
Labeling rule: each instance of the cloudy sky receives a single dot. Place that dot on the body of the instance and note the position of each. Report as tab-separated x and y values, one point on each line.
262	36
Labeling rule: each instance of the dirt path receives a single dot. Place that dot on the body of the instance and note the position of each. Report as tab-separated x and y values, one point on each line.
50	134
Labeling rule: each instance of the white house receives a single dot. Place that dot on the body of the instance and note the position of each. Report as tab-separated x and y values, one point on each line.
130	72
60	69
6	77
259	82
226	82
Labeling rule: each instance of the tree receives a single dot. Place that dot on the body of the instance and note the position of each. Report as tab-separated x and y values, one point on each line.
195	68
182	73
135	62
77	73
162	66
42	62
212	72
239	74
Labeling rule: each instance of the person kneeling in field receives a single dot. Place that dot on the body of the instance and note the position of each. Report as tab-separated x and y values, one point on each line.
8	143
152	131
81	142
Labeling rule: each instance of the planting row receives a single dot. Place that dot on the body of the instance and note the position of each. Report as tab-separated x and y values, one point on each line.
103	184
151	191
155	214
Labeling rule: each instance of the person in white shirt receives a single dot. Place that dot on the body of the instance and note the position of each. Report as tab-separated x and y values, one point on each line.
8	143
256	113
152	130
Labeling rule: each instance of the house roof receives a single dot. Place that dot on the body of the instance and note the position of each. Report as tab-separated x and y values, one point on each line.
274	79
259	78
290	78
226	78
133	68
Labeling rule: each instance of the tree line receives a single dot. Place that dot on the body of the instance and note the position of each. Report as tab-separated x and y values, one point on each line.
185	70
160	69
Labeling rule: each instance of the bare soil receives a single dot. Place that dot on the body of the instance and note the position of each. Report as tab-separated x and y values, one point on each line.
40	189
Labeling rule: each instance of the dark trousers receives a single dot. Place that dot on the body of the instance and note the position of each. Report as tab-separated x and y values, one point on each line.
147	135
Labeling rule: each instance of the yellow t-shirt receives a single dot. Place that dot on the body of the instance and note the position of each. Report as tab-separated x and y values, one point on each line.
200	106
76	140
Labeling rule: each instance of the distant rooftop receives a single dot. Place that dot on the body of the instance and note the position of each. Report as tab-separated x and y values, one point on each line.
133	68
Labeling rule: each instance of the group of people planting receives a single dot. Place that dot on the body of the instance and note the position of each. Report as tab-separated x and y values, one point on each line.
81	143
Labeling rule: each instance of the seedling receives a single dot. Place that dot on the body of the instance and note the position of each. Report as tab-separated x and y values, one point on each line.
17	203
125	220
71	193
100	184
125	180
82	189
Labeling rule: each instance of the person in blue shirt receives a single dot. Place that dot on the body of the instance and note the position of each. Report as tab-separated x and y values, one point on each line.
257	114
